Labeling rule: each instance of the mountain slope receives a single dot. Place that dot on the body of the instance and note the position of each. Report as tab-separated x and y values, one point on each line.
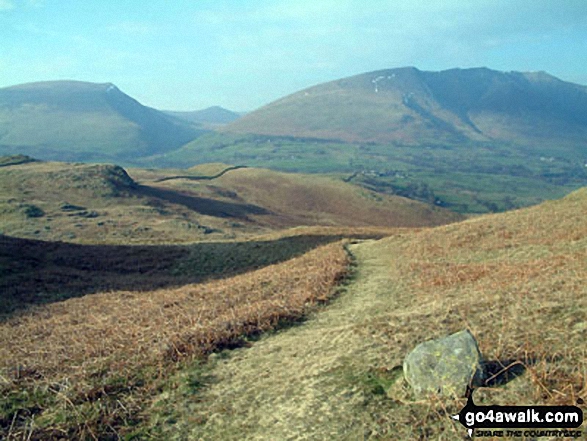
212	116
101	203
515	280
72	120
410	106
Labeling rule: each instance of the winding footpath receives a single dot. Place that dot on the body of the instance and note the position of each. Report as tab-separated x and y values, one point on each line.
295	384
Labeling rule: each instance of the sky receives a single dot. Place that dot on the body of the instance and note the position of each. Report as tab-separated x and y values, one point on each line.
241	54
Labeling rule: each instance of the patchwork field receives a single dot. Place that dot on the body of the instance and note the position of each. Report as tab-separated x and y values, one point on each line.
468	177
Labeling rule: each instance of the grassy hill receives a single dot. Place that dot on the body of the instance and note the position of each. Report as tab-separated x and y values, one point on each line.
99	203
95	379
129	363
472	140
409	106
78	121
293	199
34	272
515	280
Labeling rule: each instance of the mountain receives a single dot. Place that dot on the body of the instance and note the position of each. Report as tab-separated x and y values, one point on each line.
414	107
72	120
212	116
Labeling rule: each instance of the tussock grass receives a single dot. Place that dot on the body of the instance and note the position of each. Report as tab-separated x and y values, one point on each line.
37	272
516	280
101	204
82	368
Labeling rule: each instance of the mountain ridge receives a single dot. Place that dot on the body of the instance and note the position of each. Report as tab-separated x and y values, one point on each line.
77	120
411	106
212	116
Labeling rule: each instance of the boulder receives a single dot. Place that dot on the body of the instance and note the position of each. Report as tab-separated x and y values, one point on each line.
445	366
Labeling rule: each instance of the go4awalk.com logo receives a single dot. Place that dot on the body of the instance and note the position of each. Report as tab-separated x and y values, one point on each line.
518	421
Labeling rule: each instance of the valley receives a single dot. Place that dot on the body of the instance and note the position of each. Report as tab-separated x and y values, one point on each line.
470	140
218	275
466	178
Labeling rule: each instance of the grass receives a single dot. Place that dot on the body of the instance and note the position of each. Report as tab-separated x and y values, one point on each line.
516	280
6	161
85	367
76	121
133	346
465	177
104	204
36	272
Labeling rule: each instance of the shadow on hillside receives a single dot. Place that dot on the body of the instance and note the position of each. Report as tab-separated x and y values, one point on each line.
36	272
209	207
500	372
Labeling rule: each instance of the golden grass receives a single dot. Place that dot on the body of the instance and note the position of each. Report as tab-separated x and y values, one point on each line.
37	272
318	200
100	204
85	342
516	280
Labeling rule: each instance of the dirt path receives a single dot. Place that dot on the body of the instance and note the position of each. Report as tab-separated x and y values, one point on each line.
295	384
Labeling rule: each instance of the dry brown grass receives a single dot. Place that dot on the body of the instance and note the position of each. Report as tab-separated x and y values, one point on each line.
101	204
38	272
516	280
82	344
318	200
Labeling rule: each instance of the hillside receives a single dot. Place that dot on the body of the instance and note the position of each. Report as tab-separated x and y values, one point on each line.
175	362
211	116
466	178
414	107
108	352
292	199
78	121
100	203
471	140
516	280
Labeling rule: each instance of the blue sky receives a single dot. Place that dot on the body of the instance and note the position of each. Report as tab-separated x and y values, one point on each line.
241	54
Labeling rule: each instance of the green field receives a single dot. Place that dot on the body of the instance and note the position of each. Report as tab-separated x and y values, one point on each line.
467	178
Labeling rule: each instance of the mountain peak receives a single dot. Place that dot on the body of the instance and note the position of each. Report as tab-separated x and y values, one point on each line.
111	88
411	106
91	121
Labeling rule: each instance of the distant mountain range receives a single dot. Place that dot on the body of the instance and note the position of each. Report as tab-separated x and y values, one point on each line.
414	107
78	121
211	116
473	140
72	120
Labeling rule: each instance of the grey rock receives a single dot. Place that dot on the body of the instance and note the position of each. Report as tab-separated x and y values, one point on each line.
445	366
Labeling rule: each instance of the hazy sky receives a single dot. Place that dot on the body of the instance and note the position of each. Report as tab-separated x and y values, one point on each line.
241	54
